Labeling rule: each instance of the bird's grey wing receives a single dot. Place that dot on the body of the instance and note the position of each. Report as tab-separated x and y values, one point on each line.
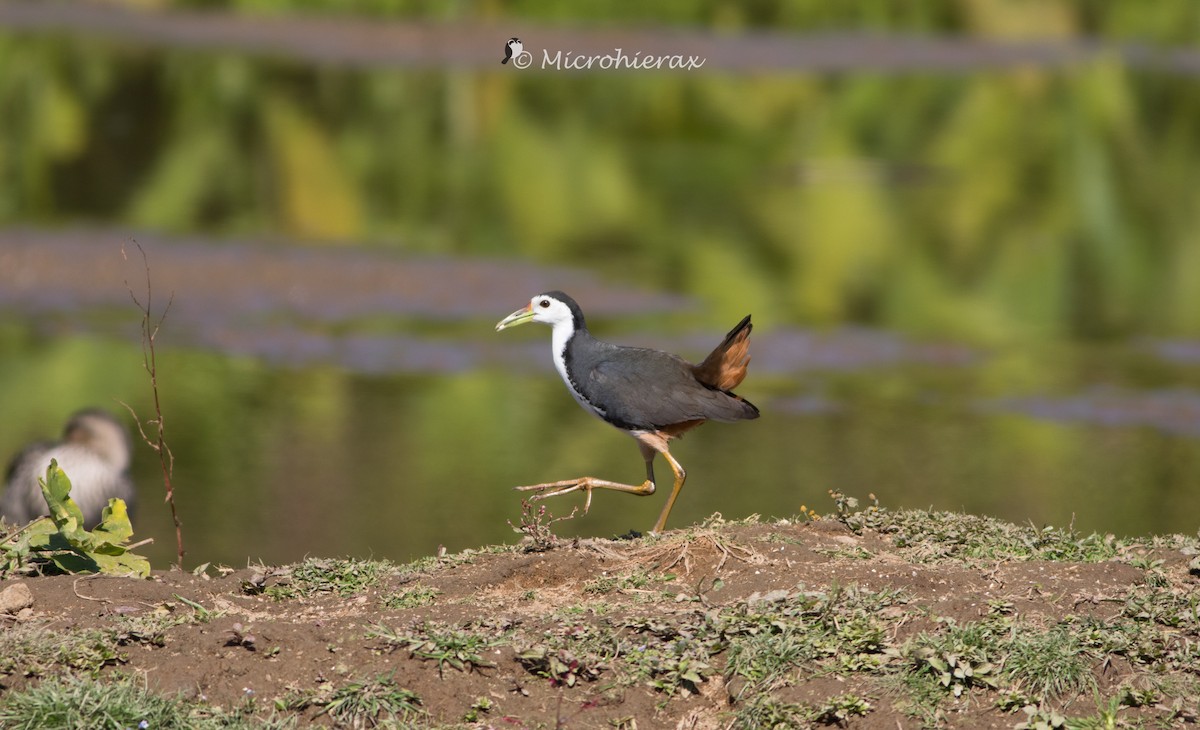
22	499
654	389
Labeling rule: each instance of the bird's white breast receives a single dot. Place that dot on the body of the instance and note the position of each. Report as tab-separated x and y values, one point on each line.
561	335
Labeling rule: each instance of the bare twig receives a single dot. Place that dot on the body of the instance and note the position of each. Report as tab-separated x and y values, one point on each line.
157	439
75	587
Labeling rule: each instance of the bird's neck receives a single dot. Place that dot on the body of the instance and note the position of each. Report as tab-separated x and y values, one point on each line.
560	338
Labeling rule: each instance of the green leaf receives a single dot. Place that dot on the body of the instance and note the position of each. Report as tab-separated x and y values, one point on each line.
114	523
56	488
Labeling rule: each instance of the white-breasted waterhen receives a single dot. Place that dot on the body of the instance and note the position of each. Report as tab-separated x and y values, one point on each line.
95	452
653	396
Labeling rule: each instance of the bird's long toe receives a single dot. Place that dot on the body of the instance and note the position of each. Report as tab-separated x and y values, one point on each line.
560	487
566	486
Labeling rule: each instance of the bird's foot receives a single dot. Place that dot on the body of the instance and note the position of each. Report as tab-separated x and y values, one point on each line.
566	486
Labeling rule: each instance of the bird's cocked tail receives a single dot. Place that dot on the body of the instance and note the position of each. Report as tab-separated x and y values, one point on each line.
725	367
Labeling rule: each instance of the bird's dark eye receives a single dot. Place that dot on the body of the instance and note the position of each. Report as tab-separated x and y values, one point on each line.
544	303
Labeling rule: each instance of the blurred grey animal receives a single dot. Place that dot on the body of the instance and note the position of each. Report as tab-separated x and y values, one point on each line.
95	452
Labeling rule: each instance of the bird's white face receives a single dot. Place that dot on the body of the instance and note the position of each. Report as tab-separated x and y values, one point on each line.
515	46
542	308
549	310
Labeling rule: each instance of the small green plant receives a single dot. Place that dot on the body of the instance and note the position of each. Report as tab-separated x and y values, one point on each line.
60	542
679	673
1038	717
957	672
838	710
848	513
561	666
1139	696
479	708
1107	717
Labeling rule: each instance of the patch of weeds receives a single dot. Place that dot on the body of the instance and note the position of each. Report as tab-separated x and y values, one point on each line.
932	536
414	597
570	652
1130	696
342	577
765	657
428	563
560	666
71	702
1173	608
921	696
637	580
436	642
766	712
679	666
1050	663
1139	642
991	654
960	658
76	702
363	703
1153	568
536	525
670	655
937	535
772	635
847	553
35	651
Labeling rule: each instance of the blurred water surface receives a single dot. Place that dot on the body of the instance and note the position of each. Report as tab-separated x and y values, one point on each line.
972	264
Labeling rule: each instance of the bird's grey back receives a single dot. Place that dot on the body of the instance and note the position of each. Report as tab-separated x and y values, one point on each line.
647	389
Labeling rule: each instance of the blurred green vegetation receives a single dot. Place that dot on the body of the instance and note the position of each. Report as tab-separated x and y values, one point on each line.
987	205
1171	21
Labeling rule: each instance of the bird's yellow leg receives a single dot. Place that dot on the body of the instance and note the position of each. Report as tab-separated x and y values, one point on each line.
680	475
587	484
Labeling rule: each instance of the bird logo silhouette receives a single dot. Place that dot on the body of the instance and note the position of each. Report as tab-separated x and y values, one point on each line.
512	49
